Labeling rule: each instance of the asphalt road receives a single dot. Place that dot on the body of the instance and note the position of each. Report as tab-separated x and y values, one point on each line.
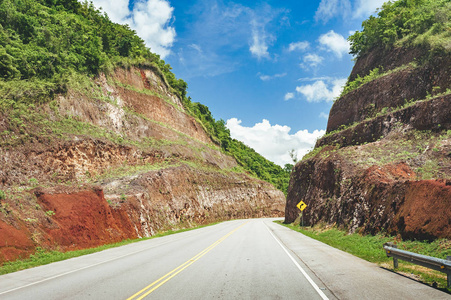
243	259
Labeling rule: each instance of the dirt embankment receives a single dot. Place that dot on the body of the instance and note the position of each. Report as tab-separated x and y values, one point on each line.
433	114
118	160
381	199
391	171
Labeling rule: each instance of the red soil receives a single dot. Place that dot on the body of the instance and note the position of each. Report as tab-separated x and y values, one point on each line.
426	211
14	243
390	172
84	219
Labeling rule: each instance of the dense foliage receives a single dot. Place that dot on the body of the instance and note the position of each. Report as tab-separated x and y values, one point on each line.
405	21
43	42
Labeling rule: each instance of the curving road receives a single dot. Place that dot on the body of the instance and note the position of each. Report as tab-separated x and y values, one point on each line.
242	259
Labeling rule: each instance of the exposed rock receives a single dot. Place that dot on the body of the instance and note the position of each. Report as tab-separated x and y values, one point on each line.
391	170
131	163
391	91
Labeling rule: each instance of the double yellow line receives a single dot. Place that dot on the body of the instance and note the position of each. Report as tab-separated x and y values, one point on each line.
162	280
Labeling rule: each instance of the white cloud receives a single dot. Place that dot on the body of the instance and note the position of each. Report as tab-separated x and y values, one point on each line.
323	115
335	43
322	91
196	47
259	43
206	57
204	62
117	10
150	19
327	78
271	77
312	60
299	46
289	96
365	8
274	141
329	9
262	25
224	31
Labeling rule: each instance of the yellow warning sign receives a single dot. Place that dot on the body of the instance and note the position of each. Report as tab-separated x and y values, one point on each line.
301	205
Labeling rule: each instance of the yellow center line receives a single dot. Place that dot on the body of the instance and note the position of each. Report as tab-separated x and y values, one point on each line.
162	280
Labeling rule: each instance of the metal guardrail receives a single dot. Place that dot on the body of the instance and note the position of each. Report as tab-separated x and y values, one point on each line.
442	265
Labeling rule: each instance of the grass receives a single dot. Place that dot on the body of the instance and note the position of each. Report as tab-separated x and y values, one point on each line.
370	248
150	93
406	148
127	170
414	147
385	111
373	75
44	257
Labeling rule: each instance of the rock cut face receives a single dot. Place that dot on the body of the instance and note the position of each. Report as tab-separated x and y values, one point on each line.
384	164
120	160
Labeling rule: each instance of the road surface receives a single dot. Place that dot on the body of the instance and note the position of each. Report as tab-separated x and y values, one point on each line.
242	259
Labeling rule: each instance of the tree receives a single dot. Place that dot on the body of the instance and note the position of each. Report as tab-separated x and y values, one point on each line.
293	155
288	168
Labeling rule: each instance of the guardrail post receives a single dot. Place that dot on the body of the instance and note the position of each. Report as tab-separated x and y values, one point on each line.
448	275
395	260
438	264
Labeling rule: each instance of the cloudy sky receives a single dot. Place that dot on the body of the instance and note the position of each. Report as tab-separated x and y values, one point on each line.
270	69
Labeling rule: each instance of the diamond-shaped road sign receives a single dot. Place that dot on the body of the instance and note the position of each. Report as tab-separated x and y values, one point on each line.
301	205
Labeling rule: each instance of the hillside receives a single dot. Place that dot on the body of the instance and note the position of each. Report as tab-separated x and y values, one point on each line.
384	164
99	141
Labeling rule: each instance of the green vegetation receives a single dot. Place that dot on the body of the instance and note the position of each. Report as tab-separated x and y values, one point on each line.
50	213
50	46
369	247
374	74
413	147
408	148
404	23
42	42
245	156
384	111
44	257
127	170
359	81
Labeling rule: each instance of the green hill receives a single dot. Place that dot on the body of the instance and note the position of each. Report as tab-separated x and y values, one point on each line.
49	46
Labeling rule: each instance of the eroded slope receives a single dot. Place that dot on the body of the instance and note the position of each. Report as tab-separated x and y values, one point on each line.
112	159
385	161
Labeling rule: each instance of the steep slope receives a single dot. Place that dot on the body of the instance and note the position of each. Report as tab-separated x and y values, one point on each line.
126	163
385	161
89	157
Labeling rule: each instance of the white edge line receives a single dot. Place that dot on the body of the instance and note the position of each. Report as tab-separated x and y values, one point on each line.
299	267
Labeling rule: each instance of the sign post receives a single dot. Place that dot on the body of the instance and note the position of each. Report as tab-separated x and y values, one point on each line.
301	205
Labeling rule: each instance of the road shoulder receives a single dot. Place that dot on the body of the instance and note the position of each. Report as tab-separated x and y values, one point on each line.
350	277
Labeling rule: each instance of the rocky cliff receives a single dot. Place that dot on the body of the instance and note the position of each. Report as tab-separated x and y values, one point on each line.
384	164
114	158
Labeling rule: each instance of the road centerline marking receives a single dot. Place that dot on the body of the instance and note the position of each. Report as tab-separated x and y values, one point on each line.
168	276
91	265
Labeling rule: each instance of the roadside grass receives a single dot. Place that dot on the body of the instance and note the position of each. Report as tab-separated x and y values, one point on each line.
370	248
44	257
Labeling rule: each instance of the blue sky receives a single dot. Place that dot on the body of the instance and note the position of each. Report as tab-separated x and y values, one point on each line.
270	69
